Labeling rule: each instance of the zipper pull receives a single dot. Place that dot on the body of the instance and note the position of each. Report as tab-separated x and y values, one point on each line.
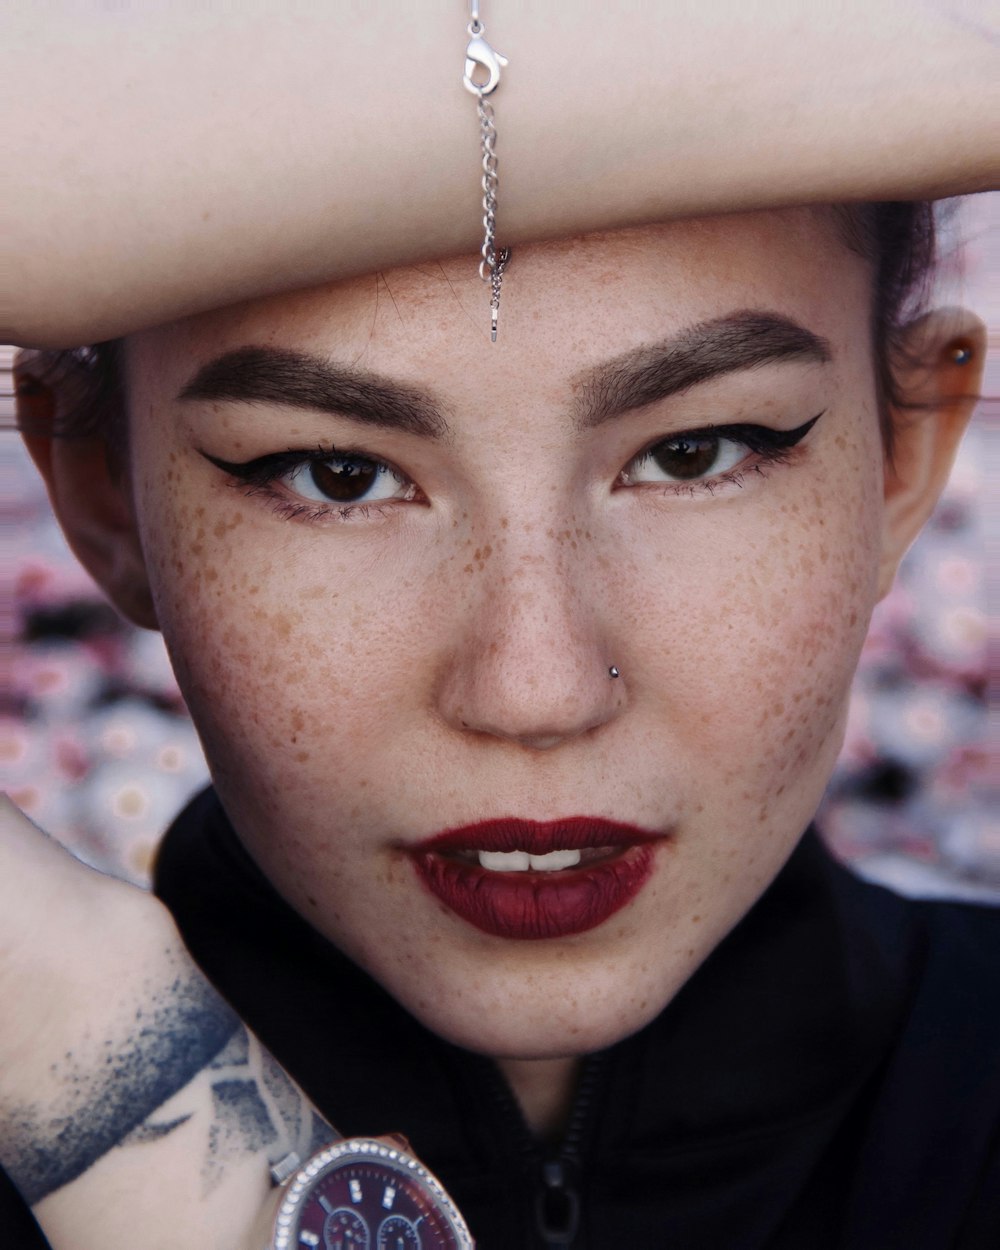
557	1209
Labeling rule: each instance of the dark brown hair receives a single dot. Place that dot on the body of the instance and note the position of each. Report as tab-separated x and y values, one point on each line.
896	238
900	242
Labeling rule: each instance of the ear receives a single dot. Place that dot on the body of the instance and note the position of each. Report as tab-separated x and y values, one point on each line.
940	372
88	489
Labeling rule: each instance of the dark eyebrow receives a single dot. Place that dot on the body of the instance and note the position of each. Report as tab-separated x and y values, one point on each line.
273	375
740	340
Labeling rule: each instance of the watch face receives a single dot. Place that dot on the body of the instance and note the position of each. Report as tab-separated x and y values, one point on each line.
365	1195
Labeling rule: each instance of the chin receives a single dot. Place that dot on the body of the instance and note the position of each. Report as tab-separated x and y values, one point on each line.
540	1033
574	1006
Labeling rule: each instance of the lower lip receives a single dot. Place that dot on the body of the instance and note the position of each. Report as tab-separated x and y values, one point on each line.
533	905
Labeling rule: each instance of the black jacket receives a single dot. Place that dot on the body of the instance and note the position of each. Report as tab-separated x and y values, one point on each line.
828	1080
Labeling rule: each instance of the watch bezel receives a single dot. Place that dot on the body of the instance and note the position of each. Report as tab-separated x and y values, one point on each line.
350	1149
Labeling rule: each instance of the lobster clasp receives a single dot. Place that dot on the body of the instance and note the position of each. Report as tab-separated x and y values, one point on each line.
479	52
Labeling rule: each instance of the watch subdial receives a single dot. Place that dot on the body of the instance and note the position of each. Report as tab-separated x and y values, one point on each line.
344	1229
397	1233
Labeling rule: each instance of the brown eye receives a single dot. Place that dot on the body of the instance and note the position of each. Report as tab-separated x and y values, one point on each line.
686	458
705	456
346	480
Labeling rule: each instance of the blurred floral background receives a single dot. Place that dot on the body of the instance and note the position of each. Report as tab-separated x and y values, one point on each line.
97	746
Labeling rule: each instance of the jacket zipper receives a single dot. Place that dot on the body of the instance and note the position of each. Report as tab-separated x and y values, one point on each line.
557	1204
557	1195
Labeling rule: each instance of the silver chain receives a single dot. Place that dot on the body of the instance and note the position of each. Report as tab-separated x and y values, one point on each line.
480	55
493	264
496	277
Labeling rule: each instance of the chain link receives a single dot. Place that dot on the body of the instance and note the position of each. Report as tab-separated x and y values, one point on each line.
496	277
480	57
493	264
488	137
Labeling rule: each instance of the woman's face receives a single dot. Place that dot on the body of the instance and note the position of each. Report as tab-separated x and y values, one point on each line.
435	655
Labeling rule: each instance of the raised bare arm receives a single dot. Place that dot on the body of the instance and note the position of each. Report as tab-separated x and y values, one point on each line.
136	1110
169	158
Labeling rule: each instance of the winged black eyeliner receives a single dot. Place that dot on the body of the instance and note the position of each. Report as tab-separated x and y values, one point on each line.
756	437
266	468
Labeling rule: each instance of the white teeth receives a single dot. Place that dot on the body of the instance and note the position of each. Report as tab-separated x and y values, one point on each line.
505	861
521	861
554	860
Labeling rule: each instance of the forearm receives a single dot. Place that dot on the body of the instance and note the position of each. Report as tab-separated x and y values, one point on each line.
181	158
135	1108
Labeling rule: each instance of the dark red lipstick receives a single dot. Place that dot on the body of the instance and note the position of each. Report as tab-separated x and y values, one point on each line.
615	861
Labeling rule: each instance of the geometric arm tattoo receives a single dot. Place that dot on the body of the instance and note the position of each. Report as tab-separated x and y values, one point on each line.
256	1106
105	1094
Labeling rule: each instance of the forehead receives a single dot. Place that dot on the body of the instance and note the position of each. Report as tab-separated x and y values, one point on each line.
566	306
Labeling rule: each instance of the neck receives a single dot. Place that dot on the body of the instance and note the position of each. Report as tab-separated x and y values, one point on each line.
544	1090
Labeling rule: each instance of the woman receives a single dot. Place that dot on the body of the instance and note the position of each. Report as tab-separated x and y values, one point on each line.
520	669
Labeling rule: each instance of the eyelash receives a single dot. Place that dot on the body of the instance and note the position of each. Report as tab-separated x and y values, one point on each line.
257	477
769	447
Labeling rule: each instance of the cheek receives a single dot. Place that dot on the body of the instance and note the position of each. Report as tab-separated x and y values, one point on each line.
760	637
285	652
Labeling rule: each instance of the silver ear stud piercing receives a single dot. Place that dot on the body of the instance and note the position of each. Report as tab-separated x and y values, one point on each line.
613	672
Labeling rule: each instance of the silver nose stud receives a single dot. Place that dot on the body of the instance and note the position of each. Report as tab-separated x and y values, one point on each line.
613	672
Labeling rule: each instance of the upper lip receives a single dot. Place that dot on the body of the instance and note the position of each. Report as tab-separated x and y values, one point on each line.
538	837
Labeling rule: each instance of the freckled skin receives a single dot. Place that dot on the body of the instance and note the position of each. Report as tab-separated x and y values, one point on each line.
362	685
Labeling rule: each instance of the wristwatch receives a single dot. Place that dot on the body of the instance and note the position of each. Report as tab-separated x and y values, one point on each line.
363	1193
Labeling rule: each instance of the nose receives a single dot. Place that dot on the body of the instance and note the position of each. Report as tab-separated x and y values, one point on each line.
532	665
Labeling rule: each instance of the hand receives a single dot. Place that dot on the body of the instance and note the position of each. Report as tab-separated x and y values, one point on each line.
136	1110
